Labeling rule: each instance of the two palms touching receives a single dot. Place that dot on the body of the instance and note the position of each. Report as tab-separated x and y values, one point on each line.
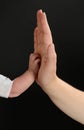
43	45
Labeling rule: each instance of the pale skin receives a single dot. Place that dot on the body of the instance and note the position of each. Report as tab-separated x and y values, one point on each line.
24	81
65	96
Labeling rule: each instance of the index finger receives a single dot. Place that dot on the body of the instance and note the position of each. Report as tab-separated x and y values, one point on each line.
43	25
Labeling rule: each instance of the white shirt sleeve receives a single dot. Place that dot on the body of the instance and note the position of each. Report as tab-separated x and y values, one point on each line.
5	86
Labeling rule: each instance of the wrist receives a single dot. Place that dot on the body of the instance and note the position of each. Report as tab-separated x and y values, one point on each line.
31	73
51	88
48	86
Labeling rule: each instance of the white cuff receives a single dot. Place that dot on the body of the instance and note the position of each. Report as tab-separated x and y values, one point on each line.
5	86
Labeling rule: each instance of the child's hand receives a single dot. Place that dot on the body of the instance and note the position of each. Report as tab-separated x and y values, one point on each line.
34	61
24	81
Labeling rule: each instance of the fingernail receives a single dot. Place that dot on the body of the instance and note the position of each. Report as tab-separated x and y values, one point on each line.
44	13
51	47
40	10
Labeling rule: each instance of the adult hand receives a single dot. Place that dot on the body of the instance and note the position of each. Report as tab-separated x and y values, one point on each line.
43	45
42	34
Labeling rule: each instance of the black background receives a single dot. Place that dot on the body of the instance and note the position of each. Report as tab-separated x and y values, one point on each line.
33	109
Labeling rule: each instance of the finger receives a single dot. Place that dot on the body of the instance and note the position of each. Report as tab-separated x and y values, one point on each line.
30	56
43	26
38	60
35	38
34	56
35	35
42	22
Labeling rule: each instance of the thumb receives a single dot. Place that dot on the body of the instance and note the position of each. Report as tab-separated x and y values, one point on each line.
51	55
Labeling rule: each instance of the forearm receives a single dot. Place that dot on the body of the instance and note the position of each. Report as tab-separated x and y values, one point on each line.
69	99
21	83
